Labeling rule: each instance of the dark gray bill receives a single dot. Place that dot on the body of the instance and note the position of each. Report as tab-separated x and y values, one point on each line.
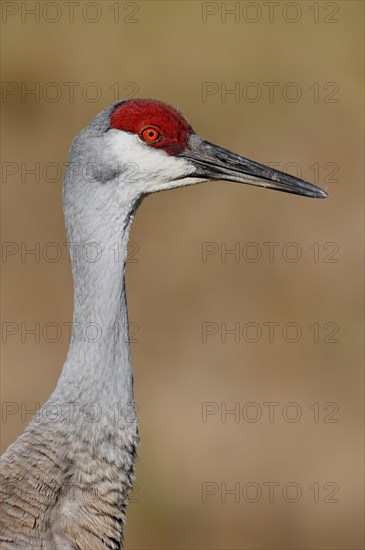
215	163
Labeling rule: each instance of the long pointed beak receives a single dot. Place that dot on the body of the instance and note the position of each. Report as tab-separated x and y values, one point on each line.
215	163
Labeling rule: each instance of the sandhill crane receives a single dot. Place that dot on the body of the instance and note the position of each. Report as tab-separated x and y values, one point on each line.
65	481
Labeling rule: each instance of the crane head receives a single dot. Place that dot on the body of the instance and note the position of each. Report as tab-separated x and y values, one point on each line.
162	144
154	148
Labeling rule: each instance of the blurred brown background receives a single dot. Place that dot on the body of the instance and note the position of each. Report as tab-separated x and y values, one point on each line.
79	63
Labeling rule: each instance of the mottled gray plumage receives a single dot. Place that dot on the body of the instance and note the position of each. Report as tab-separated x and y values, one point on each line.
65	482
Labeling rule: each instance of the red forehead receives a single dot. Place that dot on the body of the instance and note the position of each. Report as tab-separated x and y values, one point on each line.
136	114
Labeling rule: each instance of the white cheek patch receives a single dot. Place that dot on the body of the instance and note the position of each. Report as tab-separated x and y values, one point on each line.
148	168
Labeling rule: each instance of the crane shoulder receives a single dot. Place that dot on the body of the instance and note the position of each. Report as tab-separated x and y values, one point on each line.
61	493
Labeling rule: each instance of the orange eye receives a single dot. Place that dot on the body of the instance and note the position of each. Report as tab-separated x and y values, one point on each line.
150	134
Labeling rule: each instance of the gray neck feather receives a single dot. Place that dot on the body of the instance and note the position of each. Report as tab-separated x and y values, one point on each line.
66	480
97	372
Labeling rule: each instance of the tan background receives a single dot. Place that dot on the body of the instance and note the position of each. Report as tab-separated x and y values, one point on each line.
168	53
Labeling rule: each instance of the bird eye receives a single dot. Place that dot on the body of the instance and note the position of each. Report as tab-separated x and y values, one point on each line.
150	134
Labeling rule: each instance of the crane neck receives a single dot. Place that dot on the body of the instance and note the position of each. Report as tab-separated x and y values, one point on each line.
98	367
